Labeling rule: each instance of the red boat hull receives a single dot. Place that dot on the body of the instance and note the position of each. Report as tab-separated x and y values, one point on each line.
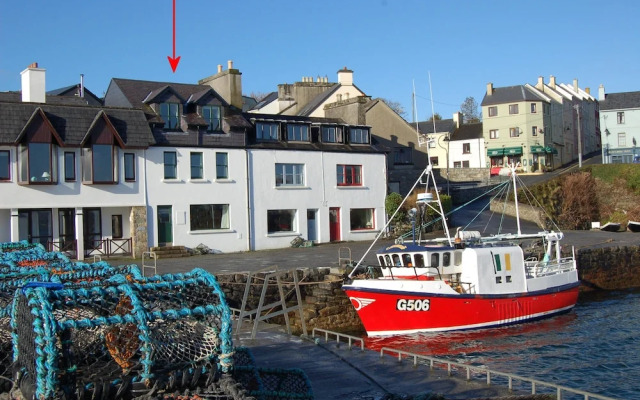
385	312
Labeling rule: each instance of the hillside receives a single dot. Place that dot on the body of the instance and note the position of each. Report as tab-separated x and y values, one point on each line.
605	193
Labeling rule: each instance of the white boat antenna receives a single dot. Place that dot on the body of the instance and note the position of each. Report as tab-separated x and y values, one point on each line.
512	167
433	113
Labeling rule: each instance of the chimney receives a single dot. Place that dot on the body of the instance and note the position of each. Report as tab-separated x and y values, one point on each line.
552	81
227	84
601	95
540	84
575	85
82	86
489	89
457	119
587	90
33	84
345	77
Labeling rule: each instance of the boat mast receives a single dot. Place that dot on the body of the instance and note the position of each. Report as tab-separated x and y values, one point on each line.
515	194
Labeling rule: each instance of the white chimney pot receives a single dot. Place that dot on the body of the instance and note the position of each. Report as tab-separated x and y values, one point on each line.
33	84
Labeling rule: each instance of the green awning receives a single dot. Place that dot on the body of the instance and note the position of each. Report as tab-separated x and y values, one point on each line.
550	150
495	152
512	151
537	149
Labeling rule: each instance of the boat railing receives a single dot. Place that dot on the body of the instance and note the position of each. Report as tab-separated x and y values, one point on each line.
536	269
511	380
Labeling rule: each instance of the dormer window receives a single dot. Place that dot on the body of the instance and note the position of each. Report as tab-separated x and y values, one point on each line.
212	115
38	163
331	134
359	135
37	152
297	133
267	130
170	114
100	152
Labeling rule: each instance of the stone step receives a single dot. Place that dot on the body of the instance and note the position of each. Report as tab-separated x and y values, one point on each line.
167	248
173	255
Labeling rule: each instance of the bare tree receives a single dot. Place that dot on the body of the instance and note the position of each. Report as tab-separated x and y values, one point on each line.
395	106
435	116
257	95
469	110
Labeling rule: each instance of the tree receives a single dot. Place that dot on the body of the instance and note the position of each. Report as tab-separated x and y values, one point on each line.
257	95
469	110
435	116
395	106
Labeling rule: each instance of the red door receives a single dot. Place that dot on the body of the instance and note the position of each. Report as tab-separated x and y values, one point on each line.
334	224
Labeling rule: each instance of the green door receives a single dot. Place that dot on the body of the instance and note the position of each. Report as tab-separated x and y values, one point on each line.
165	236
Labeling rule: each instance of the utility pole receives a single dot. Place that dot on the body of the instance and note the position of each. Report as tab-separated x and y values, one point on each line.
577	107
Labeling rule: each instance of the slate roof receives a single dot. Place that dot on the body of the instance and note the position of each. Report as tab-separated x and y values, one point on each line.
16	97
273	96
316	101
443	125
72	123
74	91
616	101
468	131
510	94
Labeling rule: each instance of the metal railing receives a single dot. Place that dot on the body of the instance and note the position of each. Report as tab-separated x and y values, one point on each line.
490	374
108	247
471	371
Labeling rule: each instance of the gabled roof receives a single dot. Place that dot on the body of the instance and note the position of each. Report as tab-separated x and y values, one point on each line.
153	96
72	123
39	114
271	97
135	92
468	132
73	91
443	125
102	116
624	100
510	94
319	99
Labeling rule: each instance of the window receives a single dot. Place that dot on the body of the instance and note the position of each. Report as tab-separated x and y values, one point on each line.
534	131
434	161
116	226
402	155
170	112
349	175
5	165
37	163
622	139
35	225
457	164
466	148
280	220
359	135
465	164
494	134
432	143
69	166
435	259
289	174
493	111
514	132
362	218
129	167
170	165
196	166
98	164
446	259
534	108
212	115
513	109
267	130
298	133
222	166
331	134
209	216
620	115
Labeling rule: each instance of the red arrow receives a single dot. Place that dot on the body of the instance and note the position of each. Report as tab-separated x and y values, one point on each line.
173	61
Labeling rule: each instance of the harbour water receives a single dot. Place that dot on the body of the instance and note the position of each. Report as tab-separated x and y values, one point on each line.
595	347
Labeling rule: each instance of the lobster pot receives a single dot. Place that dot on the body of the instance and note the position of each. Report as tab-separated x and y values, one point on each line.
121	336
9	247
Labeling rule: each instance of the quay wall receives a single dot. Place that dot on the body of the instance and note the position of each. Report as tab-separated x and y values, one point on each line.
326	306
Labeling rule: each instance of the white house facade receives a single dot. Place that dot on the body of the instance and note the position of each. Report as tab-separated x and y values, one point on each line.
620	124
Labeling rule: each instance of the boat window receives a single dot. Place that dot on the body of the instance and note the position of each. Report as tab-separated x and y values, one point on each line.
435	259
381	260
396	259
387	260
498	279
406	260
508	278
419	260
457	257
446	259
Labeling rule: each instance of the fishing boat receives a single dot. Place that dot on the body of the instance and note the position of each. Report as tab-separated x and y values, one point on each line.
467	281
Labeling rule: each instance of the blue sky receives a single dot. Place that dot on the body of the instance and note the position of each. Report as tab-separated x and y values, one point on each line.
389	44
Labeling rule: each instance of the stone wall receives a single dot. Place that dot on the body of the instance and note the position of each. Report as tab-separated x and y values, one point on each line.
611	268
138	231
325	304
